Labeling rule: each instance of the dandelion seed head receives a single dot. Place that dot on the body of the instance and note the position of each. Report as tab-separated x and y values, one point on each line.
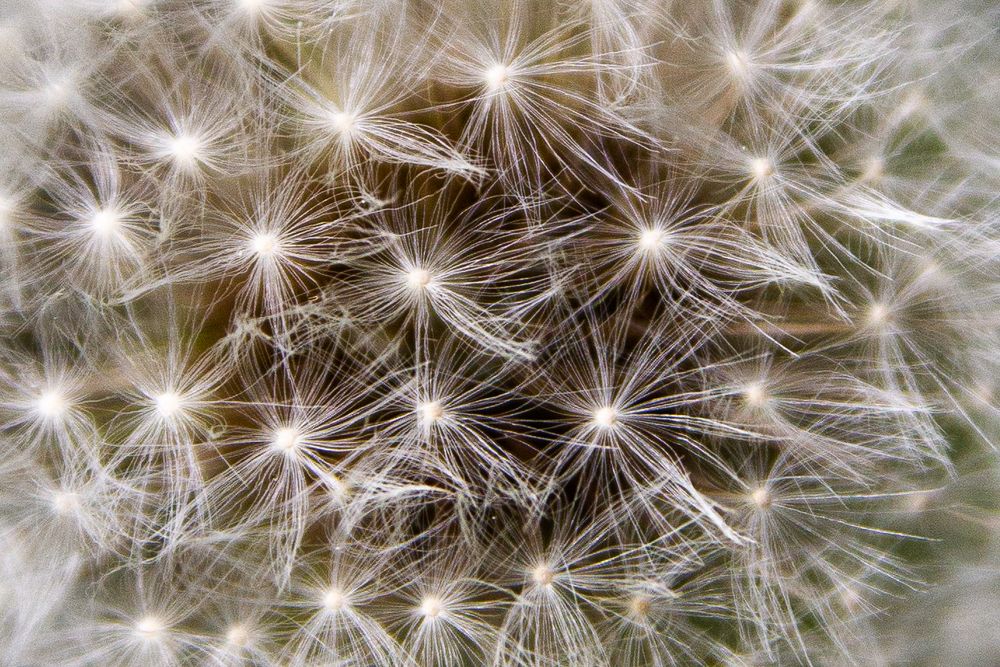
761	498
605	417
237	635
265	245
168	404
543	575
51	404
738	63
431	607
286	440
418	278
185	150
639	606
761	168
431	411
334	600
488	243
343	122
652	239
65	503
755	395
149	628
497	76
105	222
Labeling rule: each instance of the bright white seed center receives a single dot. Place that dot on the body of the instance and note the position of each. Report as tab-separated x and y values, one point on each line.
253	6
754	394
431	607
738	63
640	605
878	315
605	417
337	488
651	239
418	279
874	170
105	222
237	635
497	76
184	150
51	404
167	404
149	627
543	575
264	244
286	440
431	411
65	502
130	8
761	167
334	600
760	497
5	209
343	122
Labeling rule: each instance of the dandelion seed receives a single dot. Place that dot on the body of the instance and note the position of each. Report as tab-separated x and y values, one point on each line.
606	417
237	635
497	76
57	93
877	315
639	606
286	441
130	8
431	607
168	404
652	239
918	502
6	208
738	63
105	222
334	600
761	168
343	122
254	7
761	498
338	489
874	170
51	404
755	395
418	279
149	628
431	411
265	245
65	502
184	150
543	575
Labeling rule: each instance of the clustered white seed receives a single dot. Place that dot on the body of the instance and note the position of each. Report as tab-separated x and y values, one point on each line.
518	333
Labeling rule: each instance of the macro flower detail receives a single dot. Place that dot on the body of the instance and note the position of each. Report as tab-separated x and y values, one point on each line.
519	333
